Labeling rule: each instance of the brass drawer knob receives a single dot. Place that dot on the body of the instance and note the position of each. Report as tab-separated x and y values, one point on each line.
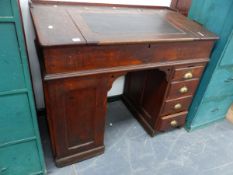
174	123
188	75
178	106
184	89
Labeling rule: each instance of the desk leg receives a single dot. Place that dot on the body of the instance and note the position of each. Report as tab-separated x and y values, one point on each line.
76	109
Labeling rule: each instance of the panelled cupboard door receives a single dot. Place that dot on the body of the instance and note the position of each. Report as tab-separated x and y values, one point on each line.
11	69
15	118
20	159
20	147
71	97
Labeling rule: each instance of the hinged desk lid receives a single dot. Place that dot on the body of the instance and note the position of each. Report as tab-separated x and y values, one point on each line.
66	24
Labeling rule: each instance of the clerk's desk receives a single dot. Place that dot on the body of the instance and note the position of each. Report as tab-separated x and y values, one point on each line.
84	48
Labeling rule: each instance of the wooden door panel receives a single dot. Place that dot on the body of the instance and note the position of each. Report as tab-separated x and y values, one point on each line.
78	105
79	121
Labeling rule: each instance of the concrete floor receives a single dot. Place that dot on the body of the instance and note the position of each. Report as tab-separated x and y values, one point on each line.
130	151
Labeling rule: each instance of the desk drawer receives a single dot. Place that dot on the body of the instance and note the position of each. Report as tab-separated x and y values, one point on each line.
171	121
188	73
181	89
177	105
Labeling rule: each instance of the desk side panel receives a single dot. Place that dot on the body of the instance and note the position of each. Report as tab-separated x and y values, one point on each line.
76	110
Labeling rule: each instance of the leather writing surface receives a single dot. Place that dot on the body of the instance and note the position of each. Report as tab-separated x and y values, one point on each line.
131	23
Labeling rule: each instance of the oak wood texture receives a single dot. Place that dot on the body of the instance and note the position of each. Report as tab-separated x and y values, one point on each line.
78	120
81	57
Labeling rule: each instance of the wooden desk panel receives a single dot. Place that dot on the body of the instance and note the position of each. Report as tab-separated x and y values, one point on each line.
89	46
89	58
77	123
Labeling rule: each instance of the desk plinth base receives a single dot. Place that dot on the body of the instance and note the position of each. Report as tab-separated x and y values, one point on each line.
60	162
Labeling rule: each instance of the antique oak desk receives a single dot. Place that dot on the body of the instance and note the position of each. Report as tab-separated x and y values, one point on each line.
84	48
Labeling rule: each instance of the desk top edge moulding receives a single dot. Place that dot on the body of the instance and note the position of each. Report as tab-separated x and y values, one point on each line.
84	47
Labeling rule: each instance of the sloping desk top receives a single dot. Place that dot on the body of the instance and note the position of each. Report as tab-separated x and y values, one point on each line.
78	24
